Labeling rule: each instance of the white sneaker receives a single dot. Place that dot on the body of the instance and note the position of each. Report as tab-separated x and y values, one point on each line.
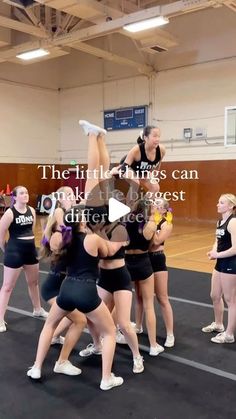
34	373
91	128
2	326
66	368
223	338
138	330
59	340
113	381
138	364
120	338
90	350
170	341
40	313
156	350
213	327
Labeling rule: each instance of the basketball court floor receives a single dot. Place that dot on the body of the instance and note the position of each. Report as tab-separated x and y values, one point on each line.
196	379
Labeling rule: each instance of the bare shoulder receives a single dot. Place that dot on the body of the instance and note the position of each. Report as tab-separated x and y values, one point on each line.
7	217
91	244
136	151
32	210
232	225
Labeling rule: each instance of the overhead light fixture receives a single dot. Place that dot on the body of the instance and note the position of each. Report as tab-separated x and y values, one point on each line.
30	55
146	24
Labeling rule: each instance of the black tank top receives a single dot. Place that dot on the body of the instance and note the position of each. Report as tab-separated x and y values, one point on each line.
21	225
137	240
80	263
144	164
120	254
223	236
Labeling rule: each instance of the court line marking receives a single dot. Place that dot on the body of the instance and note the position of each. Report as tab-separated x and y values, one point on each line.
186	237
194	364
187	252
196	303
175	358
181	300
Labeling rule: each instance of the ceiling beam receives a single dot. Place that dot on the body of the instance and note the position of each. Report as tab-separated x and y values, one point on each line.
101	29
109	56
83	8
21	16
231	4
22	27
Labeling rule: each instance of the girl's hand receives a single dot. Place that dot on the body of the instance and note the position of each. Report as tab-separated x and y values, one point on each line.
212	255
114	171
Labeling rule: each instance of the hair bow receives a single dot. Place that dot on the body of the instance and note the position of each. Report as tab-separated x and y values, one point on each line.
66	232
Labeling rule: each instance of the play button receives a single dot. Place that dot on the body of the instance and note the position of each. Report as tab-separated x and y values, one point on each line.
117	210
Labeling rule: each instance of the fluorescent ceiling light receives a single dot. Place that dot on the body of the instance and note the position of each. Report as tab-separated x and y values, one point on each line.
146	24
30	55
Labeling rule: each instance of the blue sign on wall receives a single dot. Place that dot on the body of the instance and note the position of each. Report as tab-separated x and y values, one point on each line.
125	118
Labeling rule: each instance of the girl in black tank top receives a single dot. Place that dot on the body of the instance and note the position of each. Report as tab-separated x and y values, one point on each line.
158	260
79	291
142	164
75	322
224	274
114	288
20	251
141	230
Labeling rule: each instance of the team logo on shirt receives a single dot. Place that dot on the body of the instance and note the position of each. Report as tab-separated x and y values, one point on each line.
24	220
144	165
220	232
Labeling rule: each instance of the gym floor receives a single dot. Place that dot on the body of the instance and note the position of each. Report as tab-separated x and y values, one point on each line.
195	379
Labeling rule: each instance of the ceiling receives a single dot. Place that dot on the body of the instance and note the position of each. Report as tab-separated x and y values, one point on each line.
96	27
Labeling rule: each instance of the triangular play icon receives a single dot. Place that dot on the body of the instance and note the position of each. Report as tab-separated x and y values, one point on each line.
117	210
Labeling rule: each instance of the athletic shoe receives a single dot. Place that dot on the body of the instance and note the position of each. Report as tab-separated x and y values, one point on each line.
66	368
170	341
213	327
59	340
113	381
120	338
156	350
2	326
138	330
40	313
34	373
91	128
223	338
138	364
90	350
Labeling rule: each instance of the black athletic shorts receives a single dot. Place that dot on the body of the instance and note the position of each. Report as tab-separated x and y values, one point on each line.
226	265
113	280
20	252
52	284
139	266
78	293
158	261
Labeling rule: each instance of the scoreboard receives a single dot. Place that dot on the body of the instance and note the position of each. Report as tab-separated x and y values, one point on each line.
125	118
